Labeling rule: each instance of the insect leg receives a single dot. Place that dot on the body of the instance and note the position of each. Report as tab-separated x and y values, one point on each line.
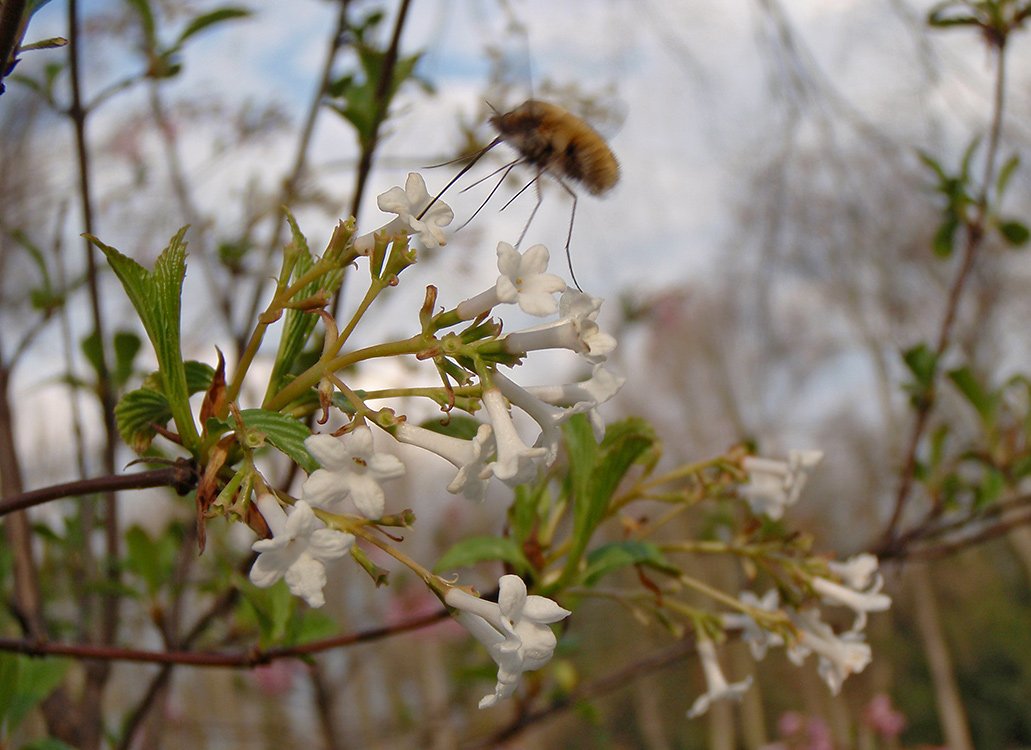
533	213
569	235
508	168
458	176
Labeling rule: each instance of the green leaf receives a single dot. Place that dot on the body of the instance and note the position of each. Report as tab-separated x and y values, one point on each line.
206	20
49	743
991	488
984	402
152	559
612	557
528	509
944	238
595	473
156	296
457	426
1006	172
136	413
9	668
270	609
479	549
1014	232
126	345
143	10
297	324
283	433
36	679
923	363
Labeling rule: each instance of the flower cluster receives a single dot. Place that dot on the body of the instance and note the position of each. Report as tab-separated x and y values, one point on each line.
347	490
514	630
840	654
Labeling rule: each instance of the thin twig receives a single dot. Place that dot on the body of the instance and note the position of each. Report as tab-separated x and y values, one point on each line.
182	475
975	232
251	658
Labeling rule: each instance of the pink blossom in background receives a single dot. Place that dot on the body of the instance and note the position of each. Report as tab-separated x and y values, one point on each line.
882	718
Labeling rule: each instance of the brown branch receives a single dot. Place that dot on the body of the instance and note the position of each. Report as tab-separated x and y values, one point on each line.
951	545
249	659
975	233
182	476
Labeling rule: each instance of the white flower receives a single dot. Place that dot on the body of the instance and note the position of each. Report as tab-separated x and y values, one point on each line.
758	638
523	281
575	330
516	462
469	456
547	416
408	203
840	656
351	469
860	589
299	546
774	485
514	631
718	689
599	388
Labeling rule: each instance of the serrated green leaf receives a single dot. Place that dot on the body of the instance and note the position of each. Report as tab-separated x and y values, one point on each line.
283	433
206	20
617	555
198	376
156	296
136	413
1014	232
983	401
477	549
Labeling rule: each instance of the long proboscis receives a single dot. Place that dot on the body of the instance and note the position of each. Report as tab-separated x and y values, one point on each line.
458	176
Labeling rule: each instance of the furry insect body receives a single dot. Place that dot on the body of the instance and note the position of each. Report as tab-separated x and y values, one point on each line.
553	141
557	141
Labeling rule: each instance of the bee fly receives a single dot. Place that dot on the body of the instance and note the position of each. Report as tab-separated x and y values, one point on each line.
553	141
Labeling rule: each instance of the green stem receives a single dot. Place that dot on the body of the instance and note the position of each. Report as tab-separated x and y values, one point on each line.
310	377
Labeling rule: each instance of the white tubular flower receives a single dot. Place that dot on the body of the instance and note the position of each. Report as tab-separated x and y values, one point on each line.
547	416
575	330
523	281
758	638
718	689
840	656
469	456
599	388
516	462
408	203
860	589
775	485
514	631
299	546
350	469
